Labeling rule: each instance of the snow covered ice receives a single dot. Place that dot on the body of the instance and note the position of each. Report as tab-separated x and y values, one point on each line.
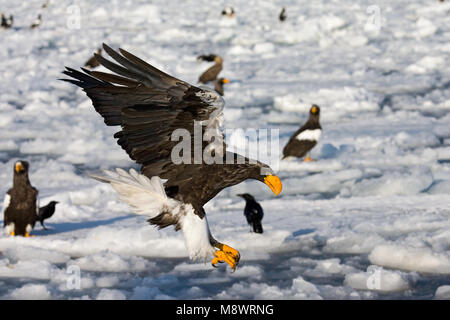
368	220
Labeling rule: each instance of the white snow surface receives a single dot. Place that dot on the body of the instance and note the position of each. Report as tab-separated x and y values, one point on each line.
368	220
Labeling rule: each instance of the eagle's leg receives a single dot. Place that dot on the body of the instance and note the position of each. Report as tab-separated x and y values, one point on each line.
226	254
28	230
10	229
308	158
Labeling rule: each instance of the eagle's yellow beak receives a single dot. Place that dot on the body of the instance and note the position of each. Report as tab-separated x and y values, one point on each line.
274	183
19	167
314	110
226	80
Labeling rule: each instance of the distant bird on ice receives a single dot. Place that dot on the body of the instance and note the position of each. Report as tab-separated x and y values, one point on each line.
46	212
36	22
212	72
6	23
20	204
210	75
305	138
92	62
253	212
228	11
283	15
148	105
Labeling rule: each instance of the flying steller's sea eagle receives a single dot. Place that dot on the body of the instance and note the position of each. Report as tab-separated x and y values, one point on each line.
150	105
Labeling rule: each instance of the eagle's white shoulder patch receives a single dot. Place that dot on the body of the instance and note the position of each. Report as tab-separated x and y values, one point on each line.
6	202
311	135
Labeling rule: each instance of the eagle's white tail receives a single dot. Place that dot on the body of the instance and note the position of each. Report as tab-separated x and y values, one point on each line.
144	196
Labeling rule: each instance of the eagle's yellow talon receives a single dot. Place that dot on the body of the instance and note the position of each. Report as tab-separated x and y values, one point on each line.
226	254
308	159
215	261
13	233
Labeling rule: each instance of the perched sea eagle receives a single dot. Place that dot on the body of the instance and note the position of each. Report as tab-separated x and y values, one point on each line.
20	204
150	105
305	138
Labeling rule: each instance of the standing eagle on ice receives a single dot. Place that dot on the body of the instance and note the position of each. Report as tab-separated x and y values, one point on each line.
21	203
305	138
149	105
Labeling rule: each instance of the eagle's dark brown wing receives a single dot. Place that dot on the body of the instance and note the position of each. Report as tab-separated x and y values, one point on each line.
149	105
297	148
